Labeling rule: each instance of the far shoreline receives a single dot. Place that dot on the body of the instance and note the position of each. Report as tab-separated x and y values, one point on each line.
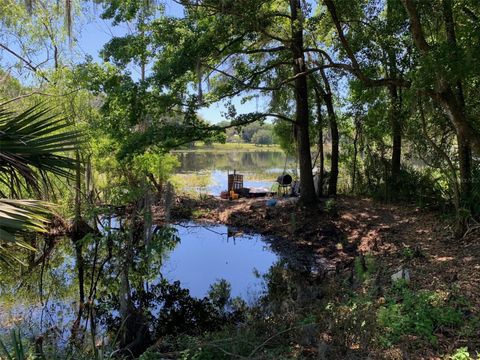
200	147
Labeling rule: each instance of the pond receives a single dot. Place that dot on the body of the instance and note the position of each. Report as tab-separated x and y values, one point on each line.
44	299
206	171
207	254
202	256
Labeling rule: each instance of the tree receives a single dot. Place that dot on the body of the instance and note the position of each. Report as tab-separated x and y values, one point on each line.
325	93
262	137
448	67
240	47
390	47
249	131
441	85
374	48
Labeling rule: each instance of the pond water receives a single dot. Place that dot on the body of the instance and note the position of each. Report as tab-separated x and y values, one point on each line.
207	254
206	171
45	299
203	256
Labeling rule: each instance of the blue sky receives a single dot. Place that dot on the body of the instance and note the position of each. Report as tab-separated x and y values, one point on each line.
96	32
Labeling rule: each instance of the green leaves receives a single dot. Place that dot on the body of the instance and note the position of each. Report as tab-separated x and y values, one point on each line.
21	215
32	146
16	218
419	313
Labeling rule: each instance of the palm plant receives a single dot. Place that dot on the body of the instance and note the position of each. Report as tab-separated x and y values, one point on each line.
32	144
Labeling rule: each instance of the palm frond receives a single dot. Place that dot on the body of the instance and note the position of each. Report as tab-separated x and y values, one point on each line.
16	218
33	143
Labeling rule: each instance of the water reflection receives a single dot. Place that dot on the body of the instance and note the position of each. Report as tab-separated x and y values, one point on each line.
241	160
203	256
207	171
206	254
43	299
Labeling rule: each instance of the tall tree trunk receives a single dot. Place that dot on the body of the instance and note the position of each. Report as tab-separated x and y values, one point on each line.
307	188
464	148
326	94
395	111
321	153
355	152
332	119
396	123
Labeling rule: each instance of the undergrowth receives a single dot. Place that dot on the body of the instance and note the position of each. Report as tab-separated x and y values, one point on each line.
420	313
298	318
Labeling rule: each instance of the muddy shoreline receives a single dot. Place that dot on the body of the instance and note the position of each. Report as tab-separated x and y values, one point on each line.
309	239
338	235
335	234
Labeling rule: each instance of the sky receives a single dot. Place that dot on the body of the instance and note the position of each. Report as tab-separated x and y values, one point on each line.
91	33
96	32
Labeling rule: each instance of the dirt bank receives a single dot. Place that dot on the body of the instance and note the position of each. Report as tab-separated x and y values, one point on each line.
335	233
350	226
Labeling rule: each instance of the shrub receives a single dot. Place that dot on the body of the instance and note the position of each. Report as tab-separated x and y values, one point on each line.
330	206
419	313
364	266
461	354
425	187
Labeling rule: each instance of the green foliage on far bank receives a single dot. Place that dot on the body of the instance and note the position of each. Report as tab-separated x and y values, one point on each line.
228	147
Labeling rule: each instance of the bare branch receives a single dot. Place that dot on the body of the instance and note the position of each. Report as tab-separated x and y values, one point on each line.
248	83
25	61
333	13
266	50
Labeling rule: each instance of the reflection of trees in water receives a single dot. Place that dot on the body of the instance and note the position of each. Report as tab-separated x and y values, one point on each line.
43	295
241	161
119	266
158	308
287	286
131	272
